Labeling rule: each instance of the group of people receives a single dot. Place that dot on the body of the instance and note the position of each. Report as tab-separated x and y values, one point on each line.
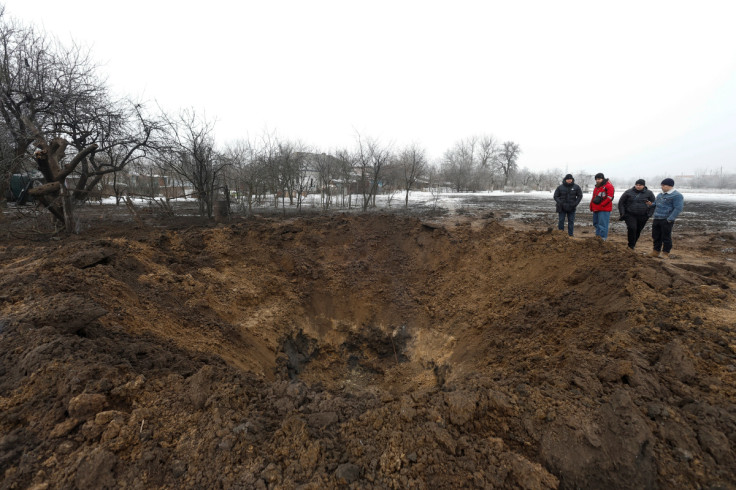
635	206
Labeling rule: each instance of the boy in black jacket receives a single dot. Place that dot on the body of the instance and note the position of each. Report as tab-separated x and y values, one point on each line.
567	196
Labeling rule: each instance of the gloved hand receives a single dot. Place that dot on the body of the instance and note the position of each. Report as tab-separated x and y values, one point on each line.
622	217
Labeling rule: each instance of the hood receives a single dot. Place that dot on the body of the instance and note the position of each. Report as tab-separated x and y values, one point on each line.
568	176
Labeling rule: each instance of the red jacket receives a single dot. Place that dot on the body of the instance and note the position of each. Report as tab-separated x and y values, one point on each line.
606	191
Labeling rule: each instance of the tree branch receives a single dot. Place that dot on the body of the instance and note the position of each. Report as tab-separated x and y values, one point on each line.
69	168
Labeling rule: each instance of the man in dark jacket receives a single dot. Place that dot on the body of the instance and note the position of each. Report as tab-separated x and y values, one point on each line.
634	210
567	196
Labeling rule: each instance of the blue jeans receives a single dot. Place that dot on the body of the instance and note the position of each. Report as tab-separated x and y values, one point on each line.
600	223
570	221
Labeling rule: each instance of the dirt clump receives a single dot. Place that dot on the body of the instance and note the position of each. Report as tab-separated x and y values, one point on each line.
364	351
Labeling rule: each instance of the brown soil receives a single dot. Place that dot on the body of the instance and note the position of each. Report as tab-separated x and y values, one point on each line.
371	351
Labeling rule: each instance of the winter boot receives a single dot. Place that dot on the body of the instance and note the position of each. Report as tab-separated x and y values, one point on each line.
654	253
665	255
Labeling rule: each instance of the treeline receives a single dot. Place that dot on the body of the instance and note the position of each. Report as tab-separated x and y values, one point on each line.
270	171
62	125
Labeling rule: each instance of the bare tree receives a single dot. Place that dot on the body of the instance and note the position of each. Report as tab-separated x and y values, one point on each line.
123	133
487	151
247	173
268	158
188	149
51	96
471	164
346	171
37	79
487	157
27	65
458	164
291	172
125	136
392	179
303	181
371	157
283	163
434	181
413	164
328	171
523	178
508	159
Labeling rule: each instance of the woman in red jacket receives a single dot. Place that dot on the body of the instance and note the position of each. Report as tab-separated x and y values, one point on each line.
601	205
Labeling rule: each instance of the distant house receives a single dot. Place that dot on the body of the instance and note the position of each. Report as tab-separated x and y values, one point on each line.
159	185
311	171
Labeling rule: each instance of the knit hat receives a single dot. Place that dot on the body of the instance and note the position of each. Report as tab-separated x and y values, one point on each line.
641	181
668	182
599	176
568	176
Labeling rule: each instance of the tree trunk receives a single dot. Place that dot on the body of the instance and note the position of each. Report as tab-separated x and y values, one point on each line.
67	204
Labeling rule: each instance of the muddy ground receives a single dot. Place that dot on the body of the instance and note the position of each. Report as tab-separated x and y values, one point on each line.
470	349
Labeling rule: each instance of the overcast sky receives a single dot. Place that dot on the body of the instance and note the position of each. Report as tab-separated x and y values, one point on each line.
630	89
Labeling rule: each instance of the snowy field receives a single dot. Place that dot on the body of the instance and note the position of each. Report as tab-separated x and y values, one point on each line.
453	199
694	195
705	209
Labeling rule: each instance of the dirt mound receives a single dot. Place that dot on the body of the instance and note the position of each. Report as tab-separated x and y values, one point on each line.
370	350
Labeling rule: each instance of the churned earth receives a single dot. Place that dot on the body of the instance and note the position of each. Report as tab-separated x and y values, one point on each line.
378	350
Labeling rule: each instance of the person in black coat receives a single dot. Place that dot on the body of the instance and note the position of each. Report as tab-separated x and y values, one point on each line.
634	210
567	196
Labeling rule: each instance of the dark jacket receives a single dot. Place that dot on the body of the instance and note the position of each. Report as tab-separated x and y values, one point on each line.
633	202
568	196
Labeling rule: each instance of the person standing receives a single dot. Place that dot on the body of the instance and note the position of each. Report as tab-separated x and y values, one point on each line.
634	210
667	207
601	205
567	196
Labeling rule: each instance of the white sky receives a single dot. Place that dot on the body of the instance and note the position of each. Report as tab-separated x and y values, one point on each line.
627	88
